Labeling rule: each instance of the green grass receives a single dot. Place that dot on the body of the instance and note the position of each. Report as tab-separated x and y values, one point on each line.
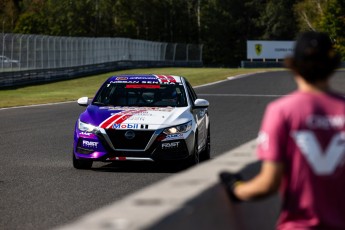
73	89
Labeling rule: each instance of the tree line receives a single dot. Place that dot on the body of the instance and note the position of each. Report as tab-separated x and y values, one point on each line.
222	26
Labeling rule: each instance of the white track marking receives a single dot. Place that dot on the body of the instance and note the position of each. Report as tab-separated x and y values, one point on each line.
230	79
38	105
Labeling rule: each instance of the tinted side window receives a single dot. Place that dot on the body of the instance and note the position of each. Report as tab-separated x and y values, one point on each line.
103	94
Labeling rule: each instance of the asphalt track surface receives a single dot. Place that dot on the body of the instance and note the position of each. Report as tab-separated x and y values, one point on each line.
40	189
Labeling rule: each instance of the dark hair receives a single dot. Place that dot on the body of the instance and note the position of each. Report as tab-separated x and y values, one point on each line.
314	57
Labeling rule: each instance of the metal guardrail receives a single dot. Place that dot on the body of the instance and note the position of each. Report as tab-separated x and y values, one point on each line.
31	58
27	77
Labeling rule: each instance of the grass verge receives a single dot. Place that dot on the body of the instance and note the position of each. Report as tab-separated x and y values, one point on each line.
87	86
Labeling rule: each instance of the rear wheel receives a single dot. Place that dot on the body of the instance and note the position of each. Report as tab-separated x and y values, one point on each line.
81	164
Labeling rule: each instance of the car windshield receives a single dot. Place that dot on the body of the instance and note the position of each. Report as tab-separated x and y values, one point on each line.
152	95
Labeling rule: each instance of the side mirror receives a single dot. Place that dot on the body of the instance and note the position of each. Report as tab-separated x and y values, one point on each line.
201	103
83	101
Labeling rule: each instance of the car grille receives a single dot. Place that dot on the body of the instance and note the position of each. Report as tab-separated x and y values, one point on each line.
139	142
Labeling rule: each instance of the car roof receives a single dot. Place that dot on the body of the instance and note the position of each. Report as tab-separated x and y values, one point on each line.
145	79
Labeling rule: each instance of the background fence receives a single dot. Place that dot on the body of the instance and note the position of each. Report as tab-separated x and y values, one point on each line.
50	57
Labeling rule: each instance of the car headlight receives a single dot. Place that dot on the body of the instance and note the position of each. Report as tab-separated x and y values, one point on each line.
87	127
179	128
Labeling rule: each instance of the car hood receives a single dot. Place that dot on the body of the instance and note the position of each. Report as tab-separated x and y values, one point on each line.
135	117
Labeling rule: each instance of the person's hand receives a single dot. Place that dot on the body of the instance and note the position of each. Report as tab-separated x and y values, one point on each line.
230	181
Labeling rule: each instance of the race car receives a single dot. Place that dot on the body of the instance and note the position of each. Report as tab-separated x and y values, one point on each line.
142	118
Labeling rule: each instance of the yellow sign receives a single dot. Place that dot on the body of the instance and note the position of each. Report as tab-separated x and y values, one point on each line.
258	49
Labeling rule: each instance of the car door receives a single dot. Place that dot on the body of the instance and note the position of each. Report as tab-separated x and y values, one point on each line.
200	115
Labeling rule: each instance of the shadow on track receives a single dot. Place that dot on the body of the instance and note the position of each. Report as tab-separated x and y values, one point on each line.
140	167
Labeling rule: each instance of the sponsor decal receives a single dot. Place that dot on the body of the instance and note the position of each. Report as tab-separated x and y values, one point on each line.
174	136
119	109
90	144
142	86
126	126
121	78
127	112
161	109
136	80
119	118
135	118
154	79
85	134
130	126
144	114
144	126
170	145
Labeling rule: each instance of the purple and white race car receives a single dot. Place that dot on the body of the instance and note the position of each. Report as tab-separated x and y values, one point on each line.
142	118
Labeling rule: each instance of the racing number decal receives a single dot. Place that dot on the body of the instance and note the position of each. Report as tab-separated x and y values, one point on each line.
322	163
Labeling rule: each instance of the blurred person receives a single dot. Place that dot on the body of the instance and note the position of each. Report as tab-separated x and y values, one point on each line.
301	144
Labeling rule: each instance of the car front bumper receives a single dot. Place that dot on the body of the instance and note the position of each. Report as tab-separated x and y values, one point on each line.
152	146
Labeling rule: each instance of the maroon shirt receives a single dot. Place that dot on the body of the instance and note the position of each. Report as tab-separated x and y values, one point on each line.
306	131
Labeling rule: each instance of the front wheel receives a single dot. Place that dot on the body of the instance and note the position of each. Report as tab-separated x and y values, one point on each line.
206	153
194	159
81	164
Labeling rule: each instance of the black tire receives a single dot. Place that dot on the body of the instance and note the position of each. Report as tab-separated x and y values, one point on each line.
81	164
206	153
194	159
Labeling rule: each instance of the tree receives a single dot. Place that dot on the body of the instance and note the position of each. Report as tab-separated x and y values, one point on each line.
324	15
32	19
278	20
222	26
309	14
9	11
333	22
226	25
